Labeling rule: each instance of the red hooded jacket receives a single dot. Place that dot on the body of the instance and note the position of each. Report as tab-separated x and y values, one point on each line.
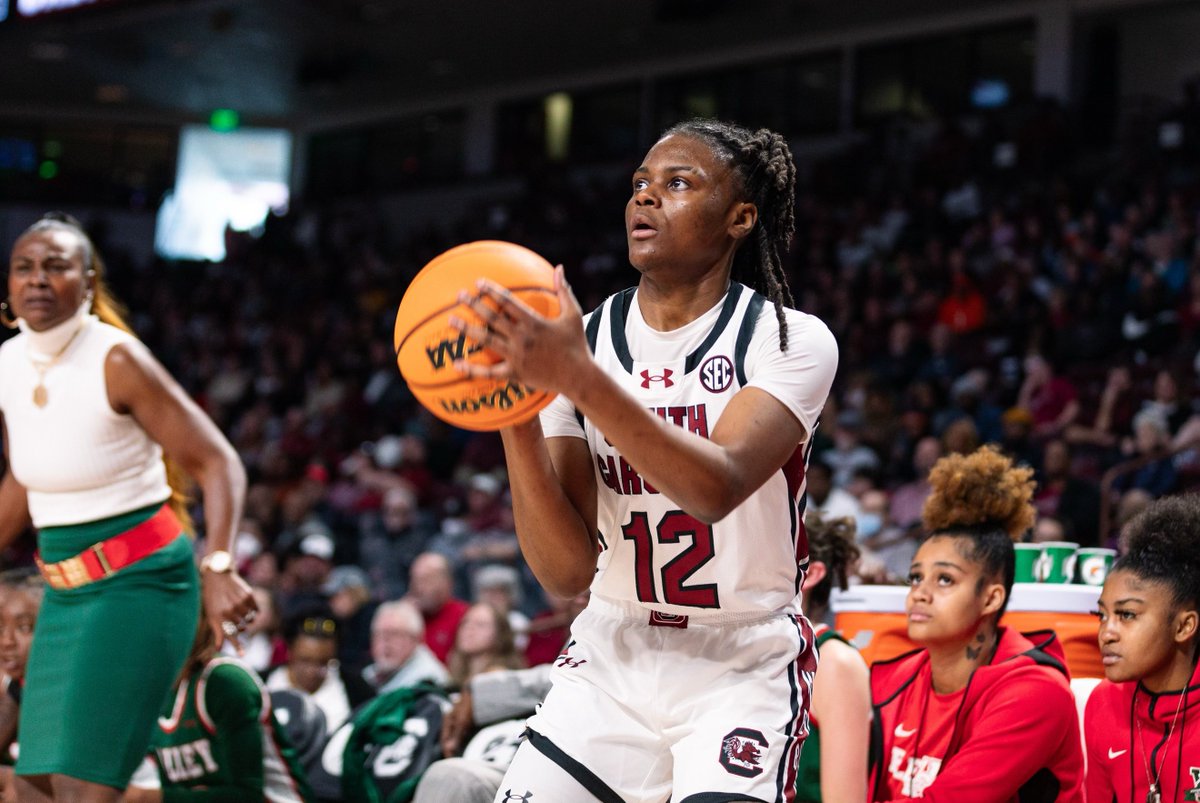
1117	763
1016	734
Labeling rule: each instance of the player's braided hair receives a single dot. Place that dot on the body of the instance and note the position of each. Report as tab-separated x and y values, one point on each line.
764	162
1160	546
830	541
983	500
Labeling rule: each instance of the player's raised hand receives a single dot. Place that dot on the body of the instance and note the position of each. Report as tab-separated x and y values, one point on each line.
535	350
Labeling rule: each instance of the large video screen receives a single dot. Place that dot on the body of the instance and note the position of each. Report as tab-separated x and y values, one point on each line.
224	179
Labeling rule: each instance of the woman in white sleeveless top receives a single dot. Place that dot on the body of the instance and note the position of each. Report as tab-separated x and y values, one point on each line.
88	415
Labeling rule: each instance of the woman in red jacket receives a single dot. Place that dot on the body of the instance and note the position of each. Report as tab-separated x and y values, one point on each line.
981	713
1143	722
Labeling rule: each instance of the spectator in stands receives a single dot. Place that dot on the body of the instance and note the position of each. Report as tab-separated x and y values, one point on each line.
306	570
1049	529
500	587
21	593
1050	398
349	592
1166	400
1150	441
1071	499
834	759
1114	413
1018	436
430	588
1142	744
501	700
400	657
963	310
848	454
891	545
312	667
827	499
909	499
550	629
484	642
390	540
953	719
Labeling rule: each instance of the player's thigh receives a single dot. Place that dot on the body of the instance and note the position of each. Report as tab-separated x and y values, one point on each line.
538	772
740	733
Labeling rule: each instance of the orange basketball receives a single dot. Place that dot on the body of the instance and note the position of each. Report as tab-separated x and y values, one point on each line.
427	346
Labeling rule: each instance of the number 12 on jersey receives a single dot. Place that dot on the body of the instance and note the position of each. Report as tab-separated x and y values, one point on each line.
674	526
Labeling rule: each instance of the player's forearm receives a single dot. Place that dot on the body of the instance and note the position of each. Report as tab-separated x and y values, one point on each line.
695	473
557	542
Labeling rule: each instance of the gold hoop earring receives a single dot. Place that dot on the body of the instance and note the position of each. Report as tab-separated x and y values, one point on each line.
7	320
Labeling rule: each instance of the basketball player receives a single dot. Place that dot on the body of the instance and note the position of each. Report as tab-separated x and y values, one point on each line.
980	713
217	738
1142	724
668	476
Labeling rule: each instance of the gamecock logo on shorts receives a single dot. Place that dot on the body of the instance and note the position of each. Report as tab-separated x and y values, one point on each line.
741	752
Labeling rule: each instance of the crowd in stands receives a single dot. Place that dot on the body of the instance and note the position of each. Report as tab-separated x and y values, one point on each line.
1048	306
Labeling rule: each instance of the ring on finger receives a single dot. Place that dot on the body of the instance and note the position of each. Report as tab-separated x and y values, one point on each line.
229	628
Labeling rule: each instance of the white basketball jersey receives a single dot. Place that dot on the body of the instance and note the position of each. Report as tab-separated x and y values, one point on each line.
752	561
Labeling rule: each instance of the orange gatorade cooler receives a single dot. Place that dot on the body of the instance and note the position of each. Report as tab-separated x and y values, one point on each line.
1068	610
872	618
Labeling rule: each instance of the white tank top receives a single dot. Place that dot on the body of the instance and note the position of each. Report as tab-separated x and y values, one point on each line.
78	459
656	556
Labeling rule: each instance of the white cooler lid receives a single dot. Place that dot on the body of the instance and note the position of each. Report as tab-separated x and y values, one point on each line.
871	599
1058	597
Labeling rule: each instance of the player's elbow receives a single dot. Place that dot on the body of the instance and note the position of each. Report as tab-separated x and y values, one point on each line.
566	579
715	503
567	585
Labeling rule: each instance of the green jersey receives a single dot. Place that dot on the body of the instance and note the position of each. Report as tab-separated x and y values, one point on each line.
219	741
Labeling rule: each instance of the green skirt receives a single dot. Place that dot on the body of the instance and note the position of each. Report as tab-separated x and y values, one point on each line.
105	657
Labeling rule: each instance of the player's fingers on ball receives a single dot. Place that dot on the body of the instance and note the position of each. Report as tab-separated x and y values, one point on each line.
509	305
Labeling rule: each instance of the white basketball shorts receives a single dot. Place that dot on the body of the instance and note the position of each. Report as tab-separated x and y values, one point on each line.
646	708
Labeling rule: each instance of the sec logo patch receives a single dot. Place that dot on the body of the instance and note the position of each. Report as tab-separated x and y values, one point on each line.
716	375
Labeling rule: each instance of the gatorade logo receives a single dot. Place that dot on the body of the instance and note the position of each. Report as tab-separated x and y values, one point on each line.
1093	570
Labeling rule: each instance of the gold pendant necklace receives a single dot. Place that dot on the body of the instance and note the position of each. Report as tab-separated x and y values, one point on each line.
40	395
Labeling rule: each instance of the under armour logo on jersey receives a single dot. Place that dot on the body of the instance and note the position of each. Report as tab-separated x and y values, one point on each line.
664	377
569	662
716	375
512	797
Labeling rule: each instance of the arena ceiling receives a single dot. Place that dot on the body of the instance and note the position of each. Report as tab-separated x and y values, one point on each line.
316	62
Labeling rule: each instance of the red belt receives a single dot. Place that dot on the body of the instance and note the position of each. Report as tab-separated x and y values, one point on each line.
108	557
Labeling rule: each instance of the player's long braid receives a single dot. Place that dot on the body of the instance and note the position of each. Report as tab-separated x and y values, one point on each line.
764	162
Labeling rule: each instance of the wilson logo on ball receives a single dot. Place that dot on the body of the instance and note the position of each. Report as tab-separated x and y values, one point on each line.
449	350
427	346
501	398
